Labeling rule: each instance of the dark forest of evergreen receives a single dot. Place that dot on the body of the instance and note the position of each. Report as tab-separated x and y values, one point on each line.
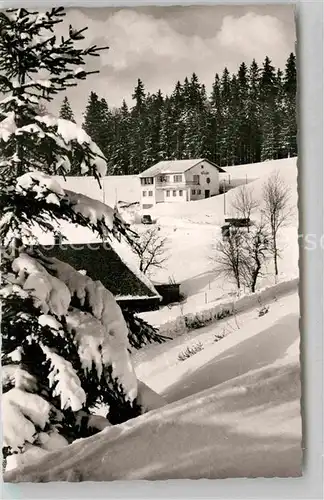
248	116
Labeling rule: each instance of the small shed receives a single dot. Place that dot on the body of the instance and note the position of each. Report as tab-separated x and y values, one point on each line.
170	292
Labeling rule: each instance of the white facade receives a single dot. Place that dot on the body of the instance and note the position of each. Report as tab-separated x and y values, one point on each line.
198	182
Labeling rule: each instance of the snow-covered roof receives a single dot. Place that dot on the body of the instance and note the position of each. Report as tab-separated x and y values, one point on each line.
112	264
175	166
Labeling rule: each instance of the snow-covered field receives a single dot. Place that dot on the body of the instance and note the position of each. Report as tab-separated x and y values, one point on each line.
234	409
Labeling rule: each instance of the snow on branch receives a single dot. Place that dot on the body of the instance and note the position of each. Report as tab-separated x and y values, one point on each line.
62	136
40	202
22	411
106	331
89	334
65	381
48	292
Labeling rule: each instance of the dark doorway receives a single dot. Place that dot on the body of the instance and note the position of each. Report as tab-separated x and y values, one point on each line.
207	193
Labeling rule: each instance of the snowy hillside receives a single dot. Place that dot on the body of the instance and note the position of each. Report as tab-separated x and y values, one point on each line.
234	412
192	229
211	210
123	188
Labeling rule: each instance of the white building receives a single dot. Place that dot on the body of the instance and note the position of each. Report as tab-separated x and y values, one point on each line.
177	181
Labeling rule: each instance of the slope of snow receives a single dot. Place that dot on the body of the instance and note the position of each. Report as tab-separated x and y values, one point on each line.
236	413
253	171
123	188
249	341
192	229
211	210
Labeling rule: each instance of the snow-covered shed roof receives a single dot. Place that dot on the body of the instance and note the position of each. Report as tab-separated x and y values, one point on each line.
108	264
175	166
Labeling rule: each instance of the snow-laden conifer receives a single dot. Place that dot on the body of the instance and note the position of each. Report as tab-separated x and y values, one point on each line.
64	338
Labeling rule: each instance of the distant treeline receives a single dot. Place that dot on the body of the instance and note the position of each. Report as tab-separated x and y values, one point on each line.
248	116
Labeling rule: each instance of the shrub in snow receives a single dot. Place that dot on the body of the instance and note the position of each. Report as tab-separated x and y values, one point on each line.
190	351
65	346
264	310
219	336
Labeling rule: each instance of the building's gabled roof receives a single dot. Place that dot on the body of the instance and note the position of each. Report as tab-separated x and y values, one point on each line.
102	262
175	166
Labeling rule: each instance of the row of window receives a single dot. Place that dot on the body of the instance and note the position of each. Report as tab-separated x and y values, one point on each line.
174	193
146	180
167	178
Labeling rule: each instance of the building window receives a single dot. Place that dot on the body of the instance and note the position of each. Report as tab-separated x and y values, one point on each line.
168	193
193	191
177	178
196	179
150	193
208	180
147	206
180	192
174	193
146	180
144	193
199	191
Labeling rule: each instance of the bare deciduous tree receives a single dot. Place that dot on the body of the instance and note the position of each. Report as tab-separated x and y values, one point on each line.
244	202
241	257
277	210
151	249
230	255
256	252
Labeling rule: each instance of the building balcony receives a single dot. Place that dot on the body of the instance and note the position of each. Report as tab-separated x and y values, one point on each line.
172	184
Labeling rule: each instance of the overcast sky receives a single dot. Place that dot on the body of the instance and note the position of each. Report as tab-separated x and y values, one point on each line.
161	45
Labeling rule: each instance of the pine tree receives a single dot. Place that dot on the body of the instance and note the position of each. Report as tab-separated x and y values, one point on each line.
51	314
120	151
66	111
195	119
290	90
216	121
139	129
279	117
177	112
168	132
225	138
96	121
242	118
268	92
154	116
254	114
67	114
